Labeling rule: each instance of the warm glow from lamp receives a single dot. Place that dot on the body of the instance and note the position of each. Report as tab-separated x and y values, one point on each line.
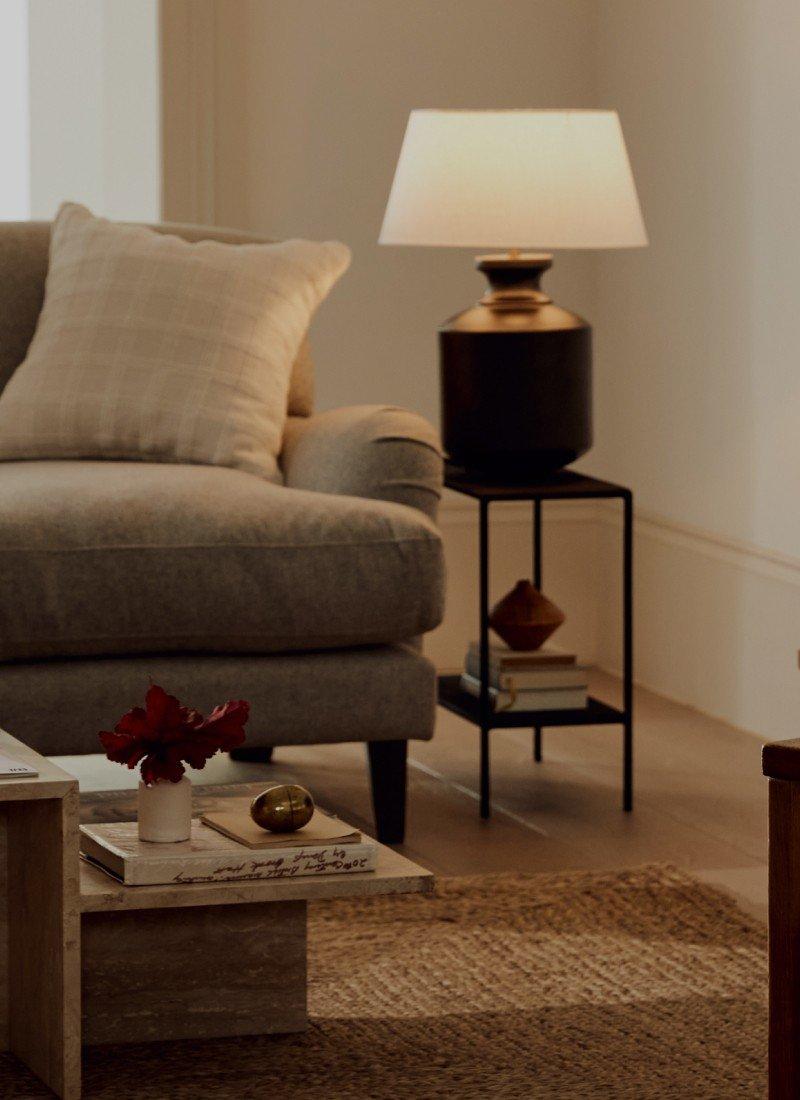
514	179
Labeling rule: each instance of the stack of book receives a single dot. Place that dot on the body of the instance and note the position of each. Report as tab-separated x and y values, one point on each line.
227	846
536	679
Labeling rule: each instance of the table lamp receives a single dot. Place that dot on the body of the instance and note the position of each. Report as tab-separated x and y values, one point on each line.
515	368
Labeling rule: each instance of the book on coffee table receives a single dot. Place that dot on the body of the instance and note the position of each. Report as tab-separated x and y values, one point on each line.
15	769
210	856
236	823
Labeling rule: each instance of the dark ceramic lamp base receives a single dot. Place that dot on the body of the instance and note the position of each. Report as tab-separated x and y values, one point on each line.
516	386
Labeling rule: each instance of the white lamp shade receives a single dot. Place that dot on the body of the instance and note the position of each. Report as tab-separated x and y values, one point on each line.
514	179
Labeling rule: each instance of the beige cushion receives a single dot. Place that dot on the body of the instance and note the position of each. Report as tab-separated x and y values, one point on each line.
150	347
24	248
301	384
132	557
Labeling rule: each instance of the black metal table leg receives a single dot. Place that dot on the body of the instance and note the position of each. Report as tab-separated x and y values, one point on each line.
627	614
486	805
537	543
485	708
537	583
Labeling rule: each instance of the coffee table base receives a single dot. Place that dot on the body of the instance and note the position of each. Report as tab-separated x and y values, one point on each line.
39	921
194	973
155	962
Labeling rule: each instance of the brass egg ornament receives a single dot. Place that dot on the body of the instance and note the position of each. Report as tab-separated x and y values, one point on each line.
282	808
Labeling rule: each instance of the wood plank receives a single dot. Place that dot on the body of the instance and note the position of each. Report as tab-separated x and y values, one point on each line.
394	875
197	973
702	801
44	939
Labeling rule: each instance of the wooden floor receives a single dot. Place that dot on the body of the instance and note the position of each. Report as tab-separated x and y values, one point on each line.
700	799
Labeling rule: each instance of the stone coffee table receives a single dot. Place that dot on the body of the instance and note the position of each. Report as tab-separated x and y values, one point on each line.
92	961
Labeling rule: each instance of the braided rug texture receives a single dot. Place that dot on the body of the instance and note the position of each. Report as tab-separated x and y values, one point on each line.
641	984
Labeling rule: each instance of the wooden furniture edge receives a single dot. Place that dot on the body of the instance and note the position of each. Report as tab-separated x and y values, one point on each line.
23	790
41	979
781	764
781	760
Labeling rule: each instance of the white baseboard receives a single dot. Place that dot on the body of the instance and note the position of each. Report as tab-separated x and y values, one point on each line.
717	621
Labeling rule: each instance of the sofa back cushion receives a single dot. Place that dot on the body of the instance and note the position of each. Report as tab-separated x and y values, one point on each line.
151	347
24	250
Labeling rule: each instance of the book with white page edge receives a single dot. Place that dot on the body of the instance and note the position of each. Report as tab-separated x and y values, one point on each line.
15	769
525	679
210	856
545	699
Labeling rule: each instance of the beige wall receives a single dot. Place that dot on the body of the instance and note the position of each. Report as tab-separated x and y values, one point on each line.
676	361
94	107
697	374
15	198
704	398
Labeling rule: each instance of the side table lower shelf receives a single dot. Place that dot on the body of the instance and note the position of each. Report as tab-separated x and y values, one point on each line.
466	705
452	697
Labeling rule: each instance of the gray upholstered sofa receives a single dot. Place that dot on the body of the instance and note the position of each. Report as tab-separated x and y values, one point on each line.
306	598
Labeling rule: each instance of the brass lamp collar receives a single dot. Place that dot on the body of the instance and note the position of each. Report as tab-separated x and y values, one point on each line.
514	279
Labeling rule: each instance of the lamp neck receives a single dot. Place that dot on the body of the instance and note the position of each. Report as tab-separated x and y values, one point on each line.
514	278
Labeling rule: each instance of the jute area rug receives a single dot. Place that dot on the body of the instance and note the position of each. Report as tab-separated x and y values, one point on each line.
640	984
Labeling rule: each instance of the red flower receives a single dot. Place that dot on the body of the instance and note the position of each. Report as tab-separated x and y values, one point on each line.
165	735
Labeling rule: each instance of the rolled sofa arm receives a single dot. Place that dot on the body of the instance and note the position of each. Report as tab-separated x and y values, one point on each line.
374	451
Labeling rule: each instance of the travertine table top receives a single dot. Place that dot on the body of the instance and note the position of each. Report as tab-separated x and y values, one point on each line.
394	875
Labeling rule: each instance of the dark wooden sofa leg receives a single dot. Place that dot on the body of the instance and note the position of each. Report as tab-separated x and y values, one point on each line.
253	755
387	767
781	761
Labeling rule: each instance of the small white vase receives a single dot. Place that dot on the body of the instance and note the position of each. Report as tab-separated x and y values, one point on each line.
165	811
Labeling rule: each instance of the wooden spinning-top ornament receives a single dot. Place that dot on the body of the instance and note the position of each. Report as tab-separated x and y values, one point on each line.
524	618
282	808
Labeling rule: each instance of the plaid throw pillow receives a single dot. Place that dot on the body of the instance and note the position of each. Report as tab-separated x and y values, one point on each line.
150	347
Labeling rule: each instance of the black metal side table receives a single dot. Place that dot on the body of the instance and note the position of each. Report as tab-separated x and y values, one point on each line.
564	485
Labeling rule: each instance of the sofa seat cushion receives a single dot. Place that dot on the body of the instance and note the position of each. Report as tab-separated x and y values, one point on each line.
102	558
372	693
